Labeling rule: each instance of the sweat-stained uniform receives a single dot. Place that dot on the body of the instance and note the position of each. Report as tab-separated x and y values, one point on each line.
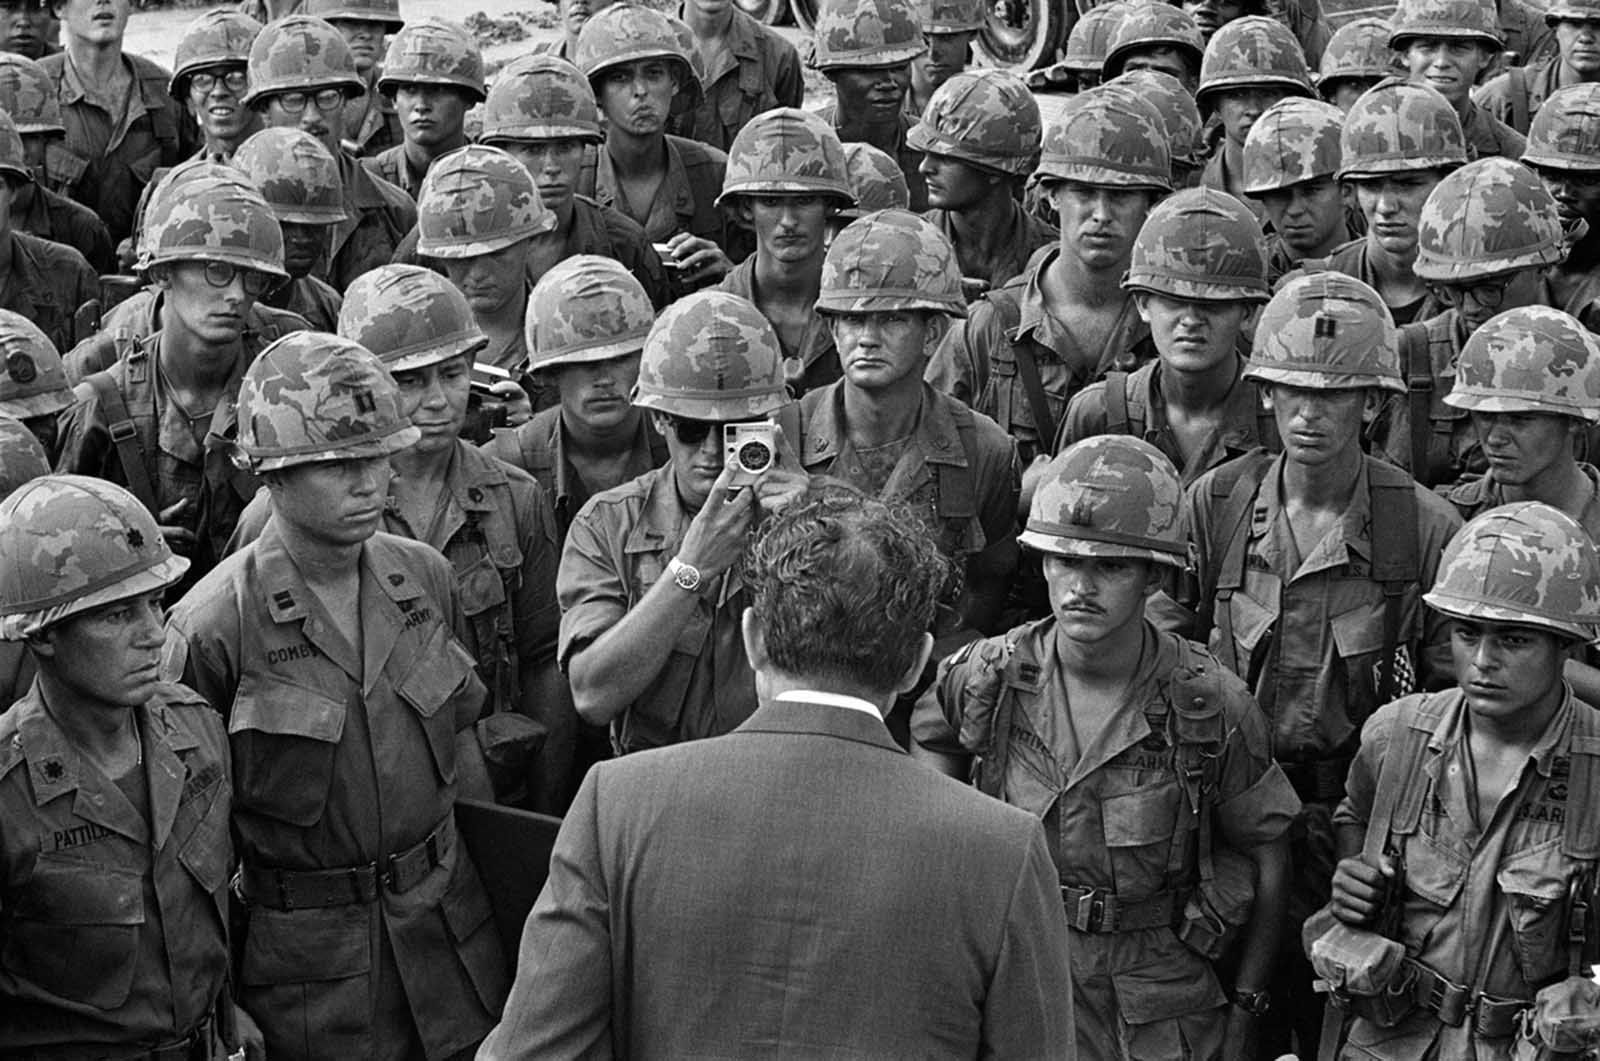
1476	495
369	934
815	362
495	527
1483	903
1029	235
757	70
1119	820
113	893
617	548
377	217
46	283
51	215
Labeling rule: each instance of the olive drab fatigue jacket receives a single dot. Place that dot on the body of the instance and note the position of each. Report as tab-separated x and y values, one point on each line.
113	916
345	759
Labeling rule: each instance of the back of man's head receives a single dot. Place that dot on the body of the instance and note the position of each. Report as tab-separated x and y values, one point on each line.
844	587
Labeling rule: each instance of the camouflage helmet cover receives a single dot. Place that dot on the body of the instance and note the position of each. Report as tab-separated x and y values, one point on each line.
1326	331
891	260
866	33
876	181
1565	132
1203	245
1396	127
1253	50
1490	216
1572	10
219	37
540	97
431	51
33	379
299	53
1150	25
29	96
986	118
1294	141
1179	114
70	543
21	457
297	176
586	309
386	12
1357	49
205	211
312	397
1532	359
711	356
787	151
13	159
1525	563
410	317
952	16
1090	39
1472	20
630	33
478	200
1108	496
1107	137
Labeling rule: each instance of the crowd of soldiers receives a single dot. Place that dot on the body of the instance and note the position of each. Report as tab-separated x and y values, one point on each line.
375	435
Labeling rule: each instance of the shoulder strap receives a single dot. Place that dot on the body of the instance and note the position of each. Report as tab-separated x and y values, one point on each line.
1517	82
1419	380
1117	420
1580	840
1236	484
125	436
1398	790
1010	311
1198	727
1017	673
1395	564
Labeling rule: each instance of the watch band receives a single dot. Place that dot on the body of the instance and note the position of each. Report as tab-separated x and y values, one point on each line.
684	576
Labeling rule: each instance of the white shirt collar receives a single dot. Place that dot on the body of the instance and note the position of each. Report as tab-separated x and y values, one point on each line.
852	703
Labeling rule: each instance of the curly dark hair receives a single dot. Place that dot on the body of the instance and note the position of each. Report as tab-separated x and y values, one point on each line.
844	586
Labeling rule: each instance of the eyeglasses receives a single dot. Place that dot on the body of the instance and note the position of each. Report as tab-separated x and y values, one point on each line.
695	432
256	283
234	81
326	99
1487	294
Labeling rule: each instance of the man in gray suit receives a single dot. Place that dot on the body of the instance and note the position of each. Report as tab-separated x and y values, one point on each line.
800	887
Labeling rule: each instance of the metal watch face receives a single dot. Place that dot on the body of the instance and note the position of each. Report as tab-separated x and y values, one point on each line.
686	577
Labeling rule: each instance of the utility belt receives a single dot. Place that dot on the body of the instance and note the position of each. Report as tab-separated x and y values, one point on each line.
295	889
1100	910
1319	781
1417	987
198	1045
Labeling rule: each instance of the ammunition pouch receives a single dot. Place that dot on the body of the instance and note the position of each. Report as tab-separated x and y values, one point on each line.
1563	1024
510	744
1219	908
1351	963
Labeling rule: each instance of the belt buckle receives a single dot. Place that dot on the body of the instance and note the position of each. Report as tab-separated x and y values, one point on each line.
1448	1001
1089	914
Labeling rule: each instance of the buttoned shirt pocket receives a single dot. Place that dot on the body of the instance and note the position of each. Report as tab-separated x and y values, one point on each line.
466	914
1435	873
1140	826
284	737
202	828
74	930
1252	623
482	588
1535	886
1171	982
306	946
437	673
1358	640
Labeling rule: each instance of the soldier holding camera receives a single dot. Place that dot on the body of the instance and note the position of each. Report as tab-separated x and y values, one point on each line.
649	587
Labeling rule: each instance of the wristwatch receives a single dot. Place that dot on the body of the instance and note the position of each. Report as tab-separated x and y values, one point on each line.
685	576
1255	1003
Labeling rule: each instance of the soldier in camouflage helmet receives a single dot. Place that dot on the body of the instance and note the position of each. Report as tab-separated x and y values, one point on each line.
710	360
434	73
865	47
46	282
1105	523
757	69
327	611
642	75
1357	58
82	571
1291	158
1516	95
1085	53
1198	276
158	420
1324	354
39	207
1518	588
876	181
786	177
980	140
301	77
300	181
949	27
1530	380
1180	117
209	78
21	458
1103	165
890	284
1564	150
1398	141
1156	36
1447	45
33	382
370	122
1250	64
